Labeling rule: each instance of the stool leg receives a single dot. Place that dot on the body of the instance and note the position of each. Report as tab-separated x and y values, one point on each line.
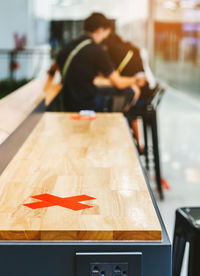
156	152
146	144
194	258
178	253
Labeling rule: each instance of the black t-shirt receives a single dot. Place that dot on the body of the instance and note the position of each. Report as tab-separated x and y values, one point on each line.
118	51
78	89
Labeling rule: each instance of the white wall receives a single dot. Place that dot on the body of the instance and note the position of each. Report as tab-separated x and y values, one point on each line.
14	17
23	17
30	18
123	10
42	8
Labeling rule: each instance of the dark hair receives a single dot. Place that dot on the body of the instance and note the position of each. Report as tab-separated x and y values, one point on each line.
95	21
115	39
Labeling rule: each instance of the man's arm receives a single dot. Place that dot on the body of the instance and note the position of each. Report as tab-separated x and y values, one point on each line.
118	81
121	82
105	67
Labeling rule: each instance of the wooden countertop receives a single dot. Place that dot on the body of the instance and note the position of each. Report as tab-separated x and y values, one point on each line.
66	158
16	107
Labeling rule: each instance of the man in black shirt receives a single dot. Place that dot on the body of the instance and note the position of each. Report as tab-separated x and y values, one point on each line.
82	60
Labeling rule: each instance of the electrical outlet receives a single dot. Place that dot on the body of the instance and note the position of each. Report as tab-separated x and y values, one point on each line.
100	269
120	269
108	263
109	269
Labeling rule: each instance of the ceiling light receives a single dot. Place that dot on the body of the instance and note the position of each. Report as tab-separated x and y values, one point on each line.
188	4
62	3
170	5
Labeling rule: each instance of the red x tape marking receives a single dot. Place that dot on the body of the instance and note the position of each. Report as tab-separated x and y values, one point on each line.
72	203
82	118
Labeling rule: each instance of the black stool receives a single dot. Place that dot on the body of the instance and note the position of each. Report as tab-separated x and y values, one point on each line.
187	229
148	113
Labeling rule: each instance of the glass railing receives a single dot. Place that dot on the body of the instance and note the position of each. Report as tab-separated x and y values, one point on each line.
17	67
20	64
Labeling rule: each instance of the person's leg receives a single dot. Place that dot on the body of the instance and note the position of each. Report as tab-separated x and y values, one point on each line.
103	98
137	91
128	94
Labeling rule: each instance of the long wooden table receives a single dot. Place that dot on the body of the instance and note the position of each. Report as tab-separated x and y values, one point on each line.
74	197
66	157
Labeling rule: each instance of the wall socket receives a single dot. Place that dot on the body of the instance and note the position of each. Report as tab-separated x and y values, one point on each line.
108	269
109	263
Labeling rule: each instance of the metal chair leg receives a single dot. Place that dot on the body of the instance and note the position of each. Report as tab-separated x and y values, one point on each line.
156	152
194	264
146	144
178	253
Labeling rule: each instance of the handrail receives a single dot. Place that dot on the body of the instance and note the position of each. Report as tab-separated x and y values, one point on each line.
24	51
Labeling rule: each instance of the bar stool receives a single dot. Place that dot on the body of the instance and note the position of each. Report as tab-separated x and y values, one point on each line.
187	229
148	113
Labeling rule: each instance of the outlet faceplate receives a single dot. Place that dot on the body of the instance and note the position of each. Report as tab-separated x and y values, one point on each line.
108	263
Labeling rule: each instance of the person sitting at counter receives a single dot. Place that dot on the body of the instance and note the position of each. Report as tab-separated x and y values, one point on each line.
82	60
128	62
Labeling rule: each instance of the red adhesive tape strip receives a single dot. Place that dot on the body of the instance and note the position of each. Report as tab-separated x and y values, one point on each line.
82	118
37	205
72	203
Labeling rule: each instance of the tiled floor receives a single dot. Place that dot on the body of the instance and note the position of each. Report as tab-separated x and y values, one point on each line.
179	135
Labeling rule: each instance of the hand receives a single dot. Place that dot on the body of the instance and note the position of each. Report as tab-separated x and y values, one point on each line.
48	82
141	81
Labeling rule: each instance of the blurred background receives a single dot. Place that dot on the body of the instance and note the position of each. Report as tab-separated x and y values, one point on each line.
32	31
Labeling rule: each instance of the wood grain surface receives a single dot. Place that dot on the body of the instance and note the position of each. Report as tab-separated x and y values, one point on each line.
65	157
16	107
